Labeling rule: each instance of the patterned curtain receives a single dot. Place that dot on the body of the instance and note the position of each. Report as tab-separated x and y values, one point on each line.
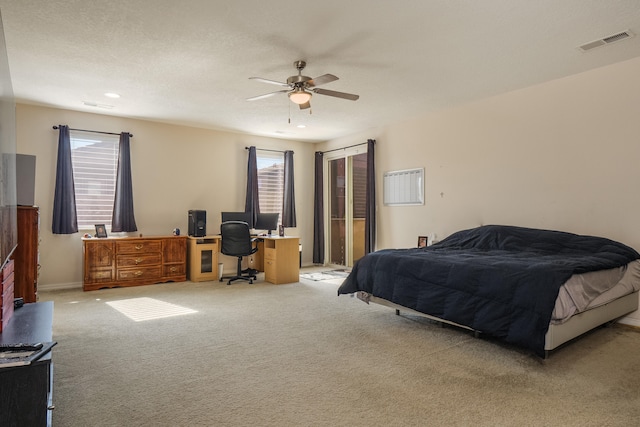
123	218
289	200
65	217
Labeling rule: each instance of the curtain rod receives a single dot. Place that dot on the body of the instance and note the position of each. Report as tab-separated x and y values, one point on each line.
266	149
344	148
96	131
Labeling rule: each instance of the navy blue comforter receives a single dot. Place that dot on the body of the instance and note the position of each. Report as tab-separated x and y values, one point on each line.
500	280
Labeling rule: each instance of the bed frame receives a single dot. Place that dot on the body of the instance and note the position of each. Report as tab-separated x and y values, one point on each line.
557	334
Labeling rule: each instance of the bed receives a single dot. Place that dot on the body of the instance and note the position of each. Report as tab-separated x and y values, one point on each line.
529	287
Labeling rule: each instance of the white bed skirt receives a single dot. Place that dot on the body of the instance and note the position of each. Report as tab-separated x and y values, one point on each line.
557	334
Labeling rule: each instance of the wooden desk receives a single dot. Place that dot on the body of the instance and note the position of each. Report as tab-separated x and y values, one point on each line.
202	258
279	258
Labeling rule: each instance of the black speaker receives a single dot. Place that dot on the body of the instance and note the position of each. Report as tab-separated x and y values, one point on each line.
197	223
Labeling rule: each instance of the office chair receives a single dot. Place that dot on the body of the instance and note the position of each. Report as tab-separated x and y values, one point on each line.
237	241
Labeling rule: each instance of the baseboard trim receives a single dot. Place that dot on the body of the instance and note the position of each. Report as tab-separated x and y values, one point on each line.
630	321
59	286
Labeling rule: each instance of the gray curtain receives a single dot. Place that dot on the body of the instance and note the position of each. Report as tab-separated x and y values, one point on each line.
289	200
370	200
65	217
123	218
252	204
318	211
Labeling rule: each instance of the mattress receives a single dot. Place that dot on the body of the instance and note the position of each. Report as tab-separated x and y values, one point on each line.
588	290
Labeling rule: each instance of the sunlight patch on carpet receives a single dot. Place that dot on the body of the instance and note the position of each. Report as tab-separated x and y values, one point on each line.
331	276
141	309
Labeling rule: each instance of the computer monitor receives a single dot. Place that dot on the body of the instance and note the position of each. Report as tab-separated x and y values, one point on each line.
236	216
267	221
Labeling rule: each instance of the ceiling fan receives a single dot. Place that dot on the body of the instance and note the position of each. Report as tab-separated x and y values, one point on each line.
300	88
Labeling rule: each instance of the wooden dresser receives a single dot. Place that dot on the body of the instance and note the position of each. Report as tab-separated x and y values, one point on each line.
132	261
6	294
26	254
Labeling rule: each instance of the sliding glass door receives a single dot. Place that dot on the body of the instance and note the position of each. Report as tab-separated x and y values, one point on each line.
347	175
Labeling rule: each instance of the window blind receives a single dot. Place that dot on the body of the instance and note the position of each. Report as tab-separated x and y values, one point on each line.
403	187
95	161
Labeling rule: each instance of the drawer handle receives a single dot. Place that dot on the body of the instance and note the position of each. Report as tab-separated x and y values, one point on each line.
173	269
138	247
138	273
138	260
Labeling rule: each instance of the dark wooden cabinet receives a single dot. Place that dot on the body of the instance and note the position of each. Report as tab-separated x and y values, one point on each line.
174	253
26	392
26	254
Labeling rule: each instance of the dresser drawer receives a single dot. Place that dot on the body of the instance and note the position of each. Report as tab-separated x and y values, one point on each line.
6	295
174	270
141	273
6	313
97	276
138	260
7	271
7	284
139	246
6	298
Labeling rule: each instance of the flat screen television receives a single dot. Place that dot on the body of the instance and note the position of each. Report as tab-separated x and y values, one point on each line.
267	222
236	216
8	210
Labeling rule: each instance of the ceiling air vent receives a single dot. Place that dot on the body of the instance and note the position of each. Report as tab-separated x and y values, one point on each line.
95	104
606	40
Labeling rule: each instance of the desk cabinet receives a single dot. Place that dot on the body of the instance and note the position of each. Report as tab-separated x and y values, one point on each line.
202	258
132	261
281	260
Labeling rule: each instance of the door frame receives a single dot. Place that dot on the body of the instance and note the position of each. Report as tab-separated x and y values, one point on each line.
345	153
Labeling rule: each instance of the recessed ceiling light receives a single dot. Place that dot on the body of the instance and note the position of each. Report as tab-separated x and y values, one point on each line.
302	126
111	95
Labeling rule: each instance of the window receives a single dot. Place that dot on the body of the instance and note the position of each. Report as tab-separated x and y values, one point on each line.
95	161
271	182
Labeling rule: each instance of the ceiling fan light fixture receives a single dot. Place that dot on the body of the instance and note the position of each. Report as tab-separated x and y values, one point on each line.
299	96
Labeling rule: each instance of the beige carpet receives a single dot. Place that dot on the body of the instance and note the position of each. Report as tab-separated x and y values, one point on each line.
298	355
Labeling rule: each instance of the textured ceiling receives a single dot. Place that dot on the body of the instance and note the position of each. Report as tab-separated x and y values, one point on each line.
189	62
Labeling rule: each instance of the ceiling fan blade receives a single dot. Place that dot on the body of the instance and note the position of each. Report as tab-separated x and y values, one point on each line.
266	95
271	82
343	95
321	80
305	105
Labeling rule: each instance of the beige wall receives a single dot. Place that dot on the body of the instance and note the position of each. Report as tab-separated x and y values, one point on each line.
562	155
174	168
